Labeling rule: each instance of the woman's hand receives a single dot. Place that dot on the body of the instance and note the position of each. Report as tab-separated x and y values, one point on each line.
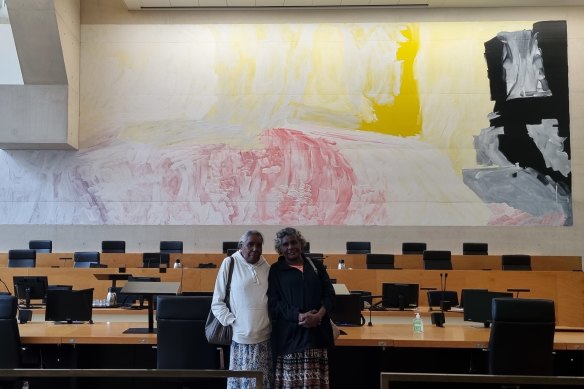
310	319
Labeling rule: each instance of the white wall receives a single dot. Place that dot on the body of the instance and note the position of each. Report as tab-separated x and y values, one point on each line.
530	240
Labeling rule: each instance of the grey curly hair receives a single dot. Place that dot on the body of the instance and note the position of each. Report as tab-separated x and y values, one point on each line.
247	235
288	231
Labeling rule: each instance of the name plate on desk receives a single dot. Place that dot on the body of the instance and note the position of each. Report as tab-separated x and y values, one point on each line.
150	288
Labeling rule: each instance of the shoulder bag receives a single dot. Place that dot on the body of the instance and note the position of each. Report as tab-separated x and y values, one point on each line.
336	330
216	332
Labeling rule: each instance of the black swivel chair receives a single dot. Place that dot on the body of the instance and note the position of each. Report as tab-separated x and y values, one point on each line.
181	336
437	260
413	248
516	262
171	246
41	246
230	245
22	258
475	248
113	246
380	261
85	259
358	247
522	337
9	334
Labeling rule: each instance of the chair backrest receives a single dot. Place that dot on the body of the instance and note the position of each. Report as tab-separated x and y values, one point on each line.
9	335
413	247
306	248
230	245
41	246
437	260
358	247
469	248
380	261
171	246
113	246
84	259
181	333
522	337
516	262
21	258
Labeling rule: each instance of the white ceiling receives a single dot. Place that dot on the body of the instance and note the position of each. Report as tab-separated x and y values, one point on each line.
139	5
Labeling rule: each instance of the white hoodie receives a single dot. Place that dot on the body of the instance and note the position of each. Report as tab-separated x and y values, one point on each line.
248	300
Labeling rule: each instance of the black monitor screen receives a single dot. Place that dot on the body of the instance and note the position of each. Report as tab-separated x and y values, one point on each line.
400	296
347	311
71	306
478	305
30	288
155	259
464	291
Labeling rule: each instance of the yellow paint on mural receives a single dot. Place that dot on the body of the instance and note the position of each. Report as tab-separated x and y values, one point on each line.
402	116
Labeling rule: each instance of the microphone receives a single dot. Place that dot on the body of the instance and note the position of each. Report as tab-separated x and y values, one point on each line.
6	286
370	324
182	270
438	317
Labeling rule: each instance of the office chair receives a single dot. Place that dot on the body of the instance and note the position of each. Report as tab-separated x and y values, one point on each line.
437	260
155	259
41	246
522	337
475	248
306	248
171	246
516	262
181	336
230	246
9	334
358	247
113	246
413	248
22	258
380	261
84	259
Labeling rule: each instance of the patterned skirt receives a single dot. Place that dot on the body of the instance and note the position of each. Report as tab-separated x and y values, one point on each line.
306	370
250	357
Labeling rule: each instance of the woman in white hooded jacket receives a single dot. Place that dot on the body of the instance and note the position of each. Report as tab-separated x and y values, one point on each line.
248	312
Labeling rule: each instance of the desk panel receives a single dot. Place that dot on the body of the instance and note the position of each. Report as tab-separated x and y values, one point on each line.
355	261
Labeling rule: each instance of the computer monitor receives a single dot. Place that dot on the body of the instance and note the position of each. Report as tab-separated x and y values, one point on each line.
69	306
463	292
478	305
347	310
400	296
155	259
30	288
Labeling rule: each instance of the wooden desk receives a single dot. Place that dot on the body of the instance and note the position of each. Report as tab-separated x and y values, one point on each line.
97	333
566	288
355	261
379	335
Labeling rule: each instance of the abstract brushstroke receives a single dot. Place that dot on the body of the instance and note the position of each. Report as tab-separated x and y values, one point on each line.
529	135
401	116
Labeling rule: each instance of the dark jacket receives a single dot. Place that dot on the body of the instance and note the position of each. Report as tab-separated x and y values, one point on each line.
291	292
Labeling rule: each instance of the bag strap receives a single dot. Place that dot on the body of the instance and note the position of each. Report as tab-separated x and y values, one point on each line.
228	286
312	264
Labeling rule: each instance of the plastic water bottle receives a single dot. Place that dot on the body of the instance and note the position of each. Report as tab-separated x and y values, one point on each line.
418	324
177	264
341	264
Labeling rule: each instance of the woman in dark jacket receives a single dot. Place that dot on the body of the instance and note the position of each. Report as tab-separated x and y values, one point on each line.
300	295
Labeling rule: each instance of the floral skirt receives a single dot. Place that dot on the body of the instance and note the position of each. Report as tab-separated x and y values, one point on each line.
306	370
250	357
